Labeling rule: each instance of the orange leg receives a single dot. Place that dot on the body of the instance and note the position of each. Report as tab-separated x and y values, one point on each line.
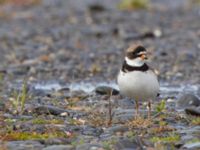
149	109
137	109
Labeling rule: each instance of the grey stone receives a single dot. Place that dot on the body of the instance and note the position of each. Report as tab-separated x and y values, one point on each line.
117	128
187	100
92	131
59	147
24	145
88	146
125	144
48	109
195	111
192	146
2	106
106	90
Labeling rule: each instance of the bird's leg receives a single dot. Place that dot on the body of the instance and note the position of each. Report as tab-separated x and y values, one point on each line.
149	109
137	111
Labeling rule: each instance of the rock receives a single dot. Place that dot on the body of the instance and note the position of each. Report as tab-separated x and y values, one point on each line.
48	109
89	147
59	147
125	144
92	131
126	103
24	145
2	106
187	100
117	128
106	90
96	8
192	146
122	115
193	111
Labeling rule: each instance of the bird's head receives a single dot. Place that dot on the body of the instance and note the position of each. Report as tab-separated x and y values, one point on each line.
136	55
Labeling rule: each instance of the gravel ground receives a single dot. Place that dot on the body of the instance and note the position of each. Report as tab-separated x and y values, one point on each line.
62	57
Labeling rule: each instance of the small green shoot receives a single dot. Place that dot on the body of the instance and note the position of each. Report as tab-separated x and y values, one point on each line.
196	121
133	4
171	138
108	145
161	106
19	98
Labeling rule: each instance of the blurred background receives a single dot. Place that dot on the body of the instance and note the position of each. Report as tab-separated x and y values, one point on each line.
59	61
83	40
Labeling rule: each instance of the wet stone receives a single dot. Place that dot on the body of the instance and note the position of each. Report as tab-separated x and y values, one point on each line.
193	111
24	145
48	109
117	128
187	100
125	144
192	146
59	147
106	90
89	147
92	131
2	106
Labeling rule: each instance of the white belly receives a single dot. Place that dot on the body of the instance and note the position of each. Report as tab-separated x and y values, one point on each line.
138	85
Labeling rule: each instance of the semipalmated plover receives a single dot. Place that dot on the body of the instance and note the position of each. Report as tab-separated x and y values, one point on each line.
136	80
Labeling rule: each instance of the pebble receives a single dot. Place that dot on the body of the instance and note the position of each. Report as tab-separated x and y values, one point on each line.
89	146
193	111
92	131
192	146
49	109
24	145
125	144
117	128
187	100
59	147
106	90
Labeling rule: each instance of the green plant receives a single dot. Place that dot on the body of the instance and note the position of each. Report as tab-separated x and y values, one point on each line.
196	121
172	137
107	145
19	98
161	106
133	4
43	121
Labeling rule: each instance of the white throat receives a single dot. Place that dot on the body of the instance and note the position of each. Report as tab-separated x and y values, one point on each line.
135	62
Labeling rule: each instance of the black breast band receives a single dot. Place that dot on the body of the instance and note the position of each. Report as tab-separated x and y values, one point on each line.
128	68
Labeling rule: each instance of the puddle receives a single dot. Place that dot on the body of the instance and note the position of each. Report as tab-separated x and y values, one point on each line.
165	89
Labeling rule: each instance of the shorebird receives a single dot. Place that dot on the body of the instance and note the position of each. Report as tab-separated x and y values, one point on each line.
136	79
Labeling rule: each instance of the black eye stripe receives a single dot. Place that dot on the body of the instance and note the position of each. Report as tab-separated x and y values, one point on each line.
139	49
136	52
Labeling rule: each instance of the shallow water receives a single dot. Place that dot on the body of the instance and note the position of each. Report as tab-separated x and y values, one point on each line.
165	88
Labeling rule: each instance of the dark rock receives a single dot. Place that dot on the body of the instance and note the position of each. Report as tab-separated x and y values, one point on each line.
117	128
96	8
193	111
56	141
24	145
89	147
59	147
92	131
192	146
187	100
122	115
126	103
2	106
106	90
125	144
48	109
45	109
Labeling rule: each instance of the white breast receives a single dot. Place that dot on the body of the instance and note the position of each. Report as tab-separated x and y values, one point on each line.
138	85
